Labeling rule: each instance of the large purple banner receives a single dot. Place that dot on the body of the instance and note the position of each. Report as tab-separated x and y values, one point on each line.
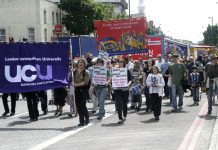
33	66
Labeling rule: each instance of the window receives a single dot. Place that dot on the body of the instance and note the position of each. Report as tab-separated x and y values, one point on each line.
57	18
2	35
31	33
45	34
45	17
53	18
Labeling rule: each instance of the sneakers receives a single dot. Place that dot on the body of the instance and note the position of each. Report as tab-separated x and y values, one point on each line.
174	109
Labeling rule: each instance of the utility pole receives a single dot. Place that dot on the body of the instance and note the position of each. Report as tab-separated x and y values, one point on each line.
129	9
211	30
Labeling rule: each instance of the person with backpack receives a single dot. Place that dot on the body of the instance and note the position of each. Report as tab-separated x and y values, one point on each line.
81	80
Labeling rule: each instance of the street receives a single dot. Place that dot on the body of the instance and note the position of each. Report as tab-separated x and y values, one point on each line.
189	129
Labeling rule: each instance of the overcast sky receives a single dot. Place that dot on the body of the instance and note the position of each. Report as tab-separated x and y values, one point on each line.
182	19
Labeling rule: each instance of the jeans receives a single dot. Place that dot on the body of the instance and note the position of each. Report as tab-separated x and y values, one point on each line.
195	92
101	94
175	89
210	95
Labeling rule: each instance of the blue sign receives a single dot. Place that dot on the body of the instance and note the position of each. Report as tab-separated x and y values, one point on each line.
28	67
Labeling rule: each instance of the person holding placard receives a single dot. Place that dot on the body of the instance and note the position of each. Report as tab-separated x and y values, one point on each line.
121	82
155	82
101	80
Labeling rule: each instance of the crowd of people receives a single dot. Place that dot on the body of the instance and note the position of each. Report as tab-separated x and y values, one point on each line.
165	77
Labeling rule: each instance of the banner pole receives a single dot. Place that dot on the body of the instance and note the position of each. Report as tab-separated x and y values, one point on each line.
72	69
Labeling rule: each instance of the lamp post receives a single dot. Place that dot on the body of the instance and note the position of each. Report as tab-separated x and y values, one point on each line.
129	9
211	30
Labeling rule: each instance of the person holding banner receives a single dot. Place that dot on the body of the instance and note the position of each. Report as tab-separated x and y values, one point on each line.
32	104
5	103
59	100
101	80
121	82
81	80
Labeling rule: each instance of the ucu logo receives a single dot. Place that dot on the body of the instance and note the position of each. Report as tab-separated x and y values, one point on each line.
28	73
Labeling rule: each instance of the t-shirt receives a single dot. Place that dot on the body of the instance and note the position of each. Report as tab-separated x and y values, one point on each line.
177	72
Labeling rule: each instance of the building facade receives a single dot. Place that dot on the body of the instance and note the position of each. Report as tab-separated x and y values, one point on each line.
34	20
119	5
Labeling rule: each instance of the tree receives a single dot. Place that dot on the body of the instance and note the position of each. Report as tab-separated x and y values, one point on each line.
211	35
79	15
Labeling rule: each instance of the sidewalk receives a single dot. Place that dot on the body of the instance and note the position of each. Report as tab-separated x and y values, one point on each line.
214	137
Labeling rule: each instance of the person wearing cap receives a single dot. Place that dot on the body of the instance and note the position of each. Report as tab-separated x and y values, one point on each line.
177	73
195	80
211	80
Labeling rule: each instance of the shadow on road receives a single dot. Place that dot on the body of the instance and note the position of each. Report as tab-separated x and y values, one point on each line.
208	117
15	123
151	120
168	112
112	124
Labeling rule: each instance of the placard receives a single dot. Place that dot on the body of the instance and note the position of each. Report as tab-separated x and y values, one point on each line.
99	75
119	77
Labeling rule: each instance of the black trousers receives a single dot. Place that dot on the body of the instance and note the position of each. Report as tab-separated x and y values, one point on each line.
156	104
32	104
42	96
148	99
13	101
80	98
166	88
121	98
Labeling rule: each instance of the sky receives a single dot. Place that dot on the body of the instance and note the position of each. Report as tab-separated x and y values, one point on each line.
180	19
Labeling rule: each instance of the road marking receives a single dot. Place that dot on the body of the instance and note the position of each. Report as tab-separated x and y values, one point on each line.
19	115
63	136
58	138
191	136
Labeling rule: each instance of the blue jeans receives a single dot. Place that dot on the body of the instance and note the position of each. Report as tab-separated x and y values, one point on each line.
101	94
195	92
177	89
210	95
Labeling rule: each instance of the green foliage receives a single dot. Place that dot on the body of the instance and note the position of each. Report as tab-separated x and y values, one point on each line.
79	15
211	35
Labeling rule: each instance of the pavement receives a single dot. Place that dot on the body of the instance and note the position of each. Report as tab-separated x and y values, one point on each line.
214	137
189	129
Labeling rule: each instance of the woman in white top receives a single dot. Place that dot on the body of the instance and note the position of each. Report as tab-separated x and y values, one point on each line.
155	82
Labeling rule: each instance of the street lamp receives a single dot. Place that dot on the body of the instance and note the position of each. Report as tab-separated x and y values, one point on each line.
211	30
129	9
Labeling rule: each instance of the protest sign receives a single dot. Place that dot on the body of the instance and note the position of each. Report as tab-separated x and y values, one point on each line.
99	75
119	77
